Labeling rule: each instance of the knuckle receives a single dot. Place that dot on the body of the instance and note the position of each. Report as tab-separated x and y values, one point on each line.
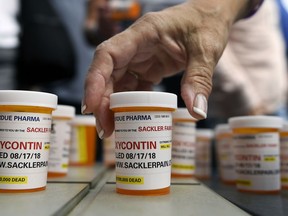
200	76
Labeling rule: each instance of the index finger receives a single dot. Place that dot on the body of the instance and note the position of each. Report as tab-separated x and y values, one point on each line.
110	62
111	59
96	80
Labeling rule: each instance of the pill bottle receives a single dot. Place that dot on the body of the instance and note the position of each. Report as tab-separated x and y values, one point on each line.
25	124
109	151
84	141
284	155
256	142
203	156
224	154
124	10
60	141
143	141
184	144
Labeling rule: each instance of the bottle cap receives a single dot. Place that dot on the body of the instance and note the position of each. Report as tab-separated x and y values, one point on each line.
143	99
222	128
89	120
64	111
285	126
183	113
203	132
255	122
28	98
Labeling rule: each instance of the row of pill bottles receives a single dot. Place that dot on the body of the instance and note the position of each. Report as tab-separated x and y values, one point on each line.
248	150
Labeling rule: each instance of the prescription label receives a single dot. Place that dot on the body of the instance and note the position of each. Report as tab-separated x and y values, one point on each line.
226	159
109	150
257	161
203	158
60	146
284	161
143	143
24	149
79	146
183	148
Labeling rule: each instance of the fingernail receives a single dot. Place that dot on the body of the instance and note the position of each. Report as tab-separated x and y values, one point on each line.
83	108
99	129
200	105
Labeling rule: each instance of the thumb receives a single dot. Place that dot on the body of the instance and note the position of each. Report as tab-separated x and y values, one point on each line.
204	49
196	86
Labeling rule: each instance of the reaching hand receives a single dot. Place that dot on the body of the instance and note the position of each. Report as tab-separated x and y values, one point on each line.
189	37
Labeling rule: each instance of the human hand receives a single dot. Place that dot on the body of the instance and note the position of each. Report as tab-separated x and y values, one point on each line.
190	37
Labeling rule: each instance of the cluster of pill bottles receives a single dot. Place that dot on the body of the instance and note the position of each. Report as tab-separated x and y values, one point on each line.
191	147
40	138
73	141
155	141
256	153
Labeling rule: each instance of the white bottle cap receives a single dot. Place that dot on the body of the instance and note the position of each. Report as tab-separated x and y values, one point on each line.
88	120
204	132
285	126
222	128
183	113
143	99
28	98
64	111
255	122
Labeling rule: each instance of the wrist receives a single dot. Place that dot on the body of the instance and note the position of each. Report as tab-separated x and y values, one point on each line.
241	9
247	8
253	7
230	11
